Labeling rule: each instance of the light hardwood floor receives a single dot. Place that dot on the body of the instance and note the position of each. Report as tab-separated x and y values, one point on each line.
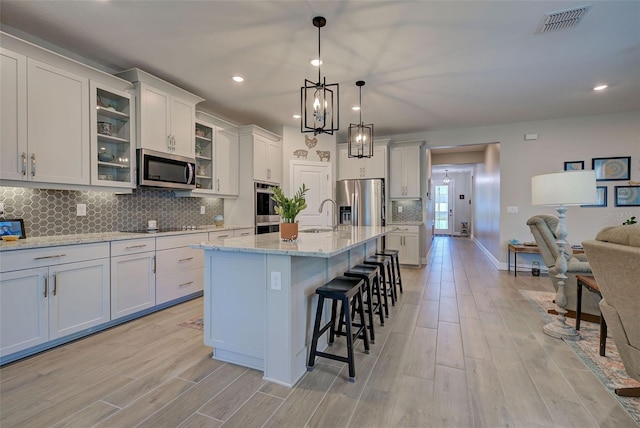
462	348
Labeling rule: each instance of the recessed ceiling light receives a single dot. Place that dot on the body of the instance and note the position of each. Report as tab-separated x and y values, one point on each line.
600	87
238	79
355	108
316	62
296	116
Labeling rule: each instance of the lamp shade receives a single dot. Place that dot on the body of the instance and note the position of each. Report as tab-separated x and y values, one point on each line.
564	188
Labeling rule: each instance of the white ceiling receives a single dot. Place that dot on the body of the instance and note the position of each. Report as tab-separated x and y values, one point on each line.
428	65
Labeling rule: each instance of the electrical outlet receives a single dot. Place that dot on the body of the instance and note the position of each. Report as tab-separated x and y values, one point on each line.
81	209
202	209
399	209
276	280
512	210
1	208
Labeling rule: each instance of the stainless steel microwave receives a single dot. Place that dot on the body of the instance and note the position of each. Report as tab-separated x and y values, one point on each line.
157	169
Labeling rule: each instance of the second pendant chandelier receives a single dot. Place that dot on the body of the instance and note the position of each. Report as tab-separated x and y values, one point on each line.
360	136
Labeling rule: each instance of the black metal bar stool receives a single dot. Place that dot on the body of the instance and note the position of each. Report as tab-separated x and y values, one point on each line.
341	289
369	273
384	263
395	263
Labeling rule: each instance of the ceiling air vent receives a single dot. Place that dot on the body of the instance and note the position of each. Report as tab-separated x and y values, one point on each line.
562	19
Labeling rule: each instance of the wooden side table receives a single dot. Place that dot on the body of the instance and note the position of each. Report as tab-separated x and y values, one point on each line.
592	285
515	249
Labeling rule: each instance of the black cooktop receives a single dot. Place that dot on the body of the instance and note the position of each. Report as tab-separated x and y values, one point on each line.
167	229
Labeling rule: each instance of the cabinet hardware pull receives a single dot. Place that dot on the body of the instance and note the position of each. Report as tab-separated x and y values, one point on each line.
24	163
130	247
46	285
55	284
185	284
218	185
186	260
245	234
154	264
49	257
223	236
33	164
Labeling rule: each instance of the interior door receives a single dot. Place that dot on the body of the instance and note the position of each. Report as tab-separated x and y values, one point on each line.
443	209
317	177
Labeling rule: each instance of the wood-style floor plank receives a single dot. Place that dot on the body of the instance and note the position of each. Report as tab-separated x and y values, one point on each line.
461	348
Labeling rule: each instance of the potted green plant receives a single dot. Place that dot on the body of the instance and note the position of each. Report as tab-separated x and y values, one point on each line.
288	209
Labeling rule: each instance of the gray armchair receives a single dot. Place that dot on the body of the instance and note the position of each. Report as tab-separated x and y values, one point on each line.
543	228
615	258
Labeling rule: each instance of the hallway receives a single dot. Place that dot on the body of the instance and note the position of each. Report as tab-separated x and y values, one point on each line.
462	348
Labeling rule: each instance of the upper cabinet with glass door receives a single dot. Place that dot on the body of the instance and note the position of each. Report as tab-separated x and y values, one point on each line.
112	149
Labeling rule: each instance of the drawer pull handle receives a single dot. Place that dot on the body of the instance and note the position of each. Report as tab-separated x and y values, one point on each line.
185	260
245	234
186	284
55	284
49	257
223	236
46	286
135	246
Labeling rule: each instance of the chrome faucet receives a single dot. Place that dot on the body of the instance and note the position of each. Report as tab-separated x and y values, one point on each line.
334	221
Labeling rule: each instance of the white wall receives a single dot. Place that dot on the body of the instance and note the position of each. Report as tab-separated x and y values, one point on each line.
559	140
293	140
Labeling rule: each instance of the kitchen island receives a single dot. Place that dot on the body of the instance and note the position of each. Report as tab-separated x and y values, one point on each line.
259	295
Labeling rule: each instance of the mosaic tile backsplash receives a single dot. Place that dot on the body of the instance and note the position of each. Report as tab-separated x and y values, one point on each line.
411	210
53	212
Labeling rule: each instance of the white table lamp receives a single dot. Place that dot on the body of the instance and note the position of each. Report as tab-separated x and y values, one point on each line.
560	190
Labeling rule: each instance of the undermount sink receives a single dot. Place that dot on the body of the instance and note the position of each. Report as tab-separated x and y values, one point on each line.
317	230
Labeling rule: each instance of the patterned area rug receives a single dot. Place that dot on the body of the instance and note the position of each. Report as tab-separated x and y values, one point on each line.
608	369
195	322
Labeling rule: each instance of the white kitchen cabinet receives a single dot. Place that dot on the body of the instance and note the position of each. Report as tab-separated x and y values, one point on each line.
216	154
267	160
13	119
45	122
245	231
355	168
79	297
133	276
24	310
404	170
263	150
165	114
112	150
180	269
57	125
49	293
405	239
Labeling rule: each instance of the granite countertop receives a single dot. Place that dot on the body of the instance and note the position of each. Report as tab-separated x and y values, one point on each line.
88	238
325	244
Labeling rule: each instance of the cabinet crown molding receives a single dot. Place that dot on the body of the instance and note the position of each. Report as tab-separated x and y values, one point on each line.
137	75
254	129
418	143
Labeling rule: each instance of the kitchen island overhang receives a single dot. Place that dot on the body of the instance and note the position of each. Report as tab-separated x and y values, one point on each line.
259	294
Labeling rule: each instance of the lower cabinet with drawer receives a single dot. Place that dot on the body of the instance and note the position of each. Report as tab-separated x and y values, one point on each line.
405	239
49	293
180	269
133	276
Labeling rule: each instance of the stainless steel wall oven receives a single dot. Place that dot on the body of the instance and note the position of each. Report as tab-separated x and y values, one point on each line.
267	220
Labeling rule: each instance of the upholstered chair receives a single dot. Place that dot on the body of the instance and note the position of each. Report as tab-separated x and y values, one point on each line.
543	228
615	259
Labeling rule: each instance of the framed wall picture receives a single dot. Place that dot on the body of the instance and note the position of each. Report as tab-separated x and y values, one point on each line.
601	198
574	165
612	168
12	227
627	196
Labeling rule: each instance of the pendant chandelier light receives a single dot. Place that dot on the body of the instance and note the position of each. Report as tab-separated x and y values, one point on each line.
446	180
360	136
319	100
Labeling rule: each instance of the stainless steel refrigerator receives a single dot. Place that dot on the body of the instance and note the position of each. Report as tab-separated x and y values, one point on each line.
361	202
